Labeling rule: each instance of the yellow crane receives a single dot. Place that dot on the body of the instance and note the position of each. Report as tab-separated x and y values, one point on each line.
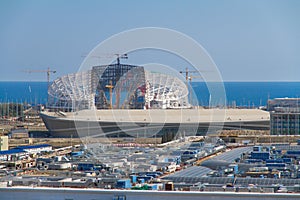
110	87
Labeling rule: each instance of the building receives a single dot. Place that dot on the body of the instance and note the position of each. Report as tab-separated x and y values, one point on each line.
284	116
35	148
12	154
120	100
19	132
3	143
46	193
19	152
117	86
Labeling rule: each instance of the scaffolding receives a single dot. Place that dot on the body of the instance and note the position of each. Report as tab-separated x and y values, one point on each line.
71	91
118	86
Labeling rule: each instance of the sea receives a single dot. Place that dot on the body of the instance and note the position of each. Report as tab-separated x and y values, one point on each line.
241	94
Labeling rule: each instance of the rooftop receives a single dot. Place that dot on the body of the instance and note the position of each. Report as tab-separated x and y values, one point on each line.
12	151
33	146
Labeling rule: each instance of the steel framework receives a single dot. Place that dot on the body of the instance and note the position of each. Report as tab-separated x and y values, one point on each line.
132	88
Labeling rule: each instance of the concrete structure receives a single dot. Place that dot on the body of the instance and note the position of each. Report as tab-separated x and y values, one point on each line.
126	100
3	143
19	133
284	116
37	193
139	122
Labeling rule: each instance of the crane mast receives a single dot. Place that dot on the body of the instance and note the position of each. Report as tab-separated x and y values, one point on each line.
48	72
188	78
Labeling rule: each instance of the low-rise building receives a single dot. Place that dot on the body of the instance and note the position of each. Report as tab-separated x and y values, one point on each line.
12	154
3	143
284	116
36	148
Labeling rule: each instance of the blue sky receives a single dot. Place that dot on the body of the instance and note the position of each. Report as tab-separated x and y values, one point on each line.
257	40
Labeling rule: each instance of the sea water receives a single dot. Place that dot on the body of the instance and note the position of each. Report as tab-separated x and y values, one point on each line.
243	94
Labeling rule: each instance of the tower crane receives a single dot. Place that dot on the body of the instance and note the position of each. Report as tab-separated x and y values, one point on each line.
48	71
187	73
111	55
188	78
